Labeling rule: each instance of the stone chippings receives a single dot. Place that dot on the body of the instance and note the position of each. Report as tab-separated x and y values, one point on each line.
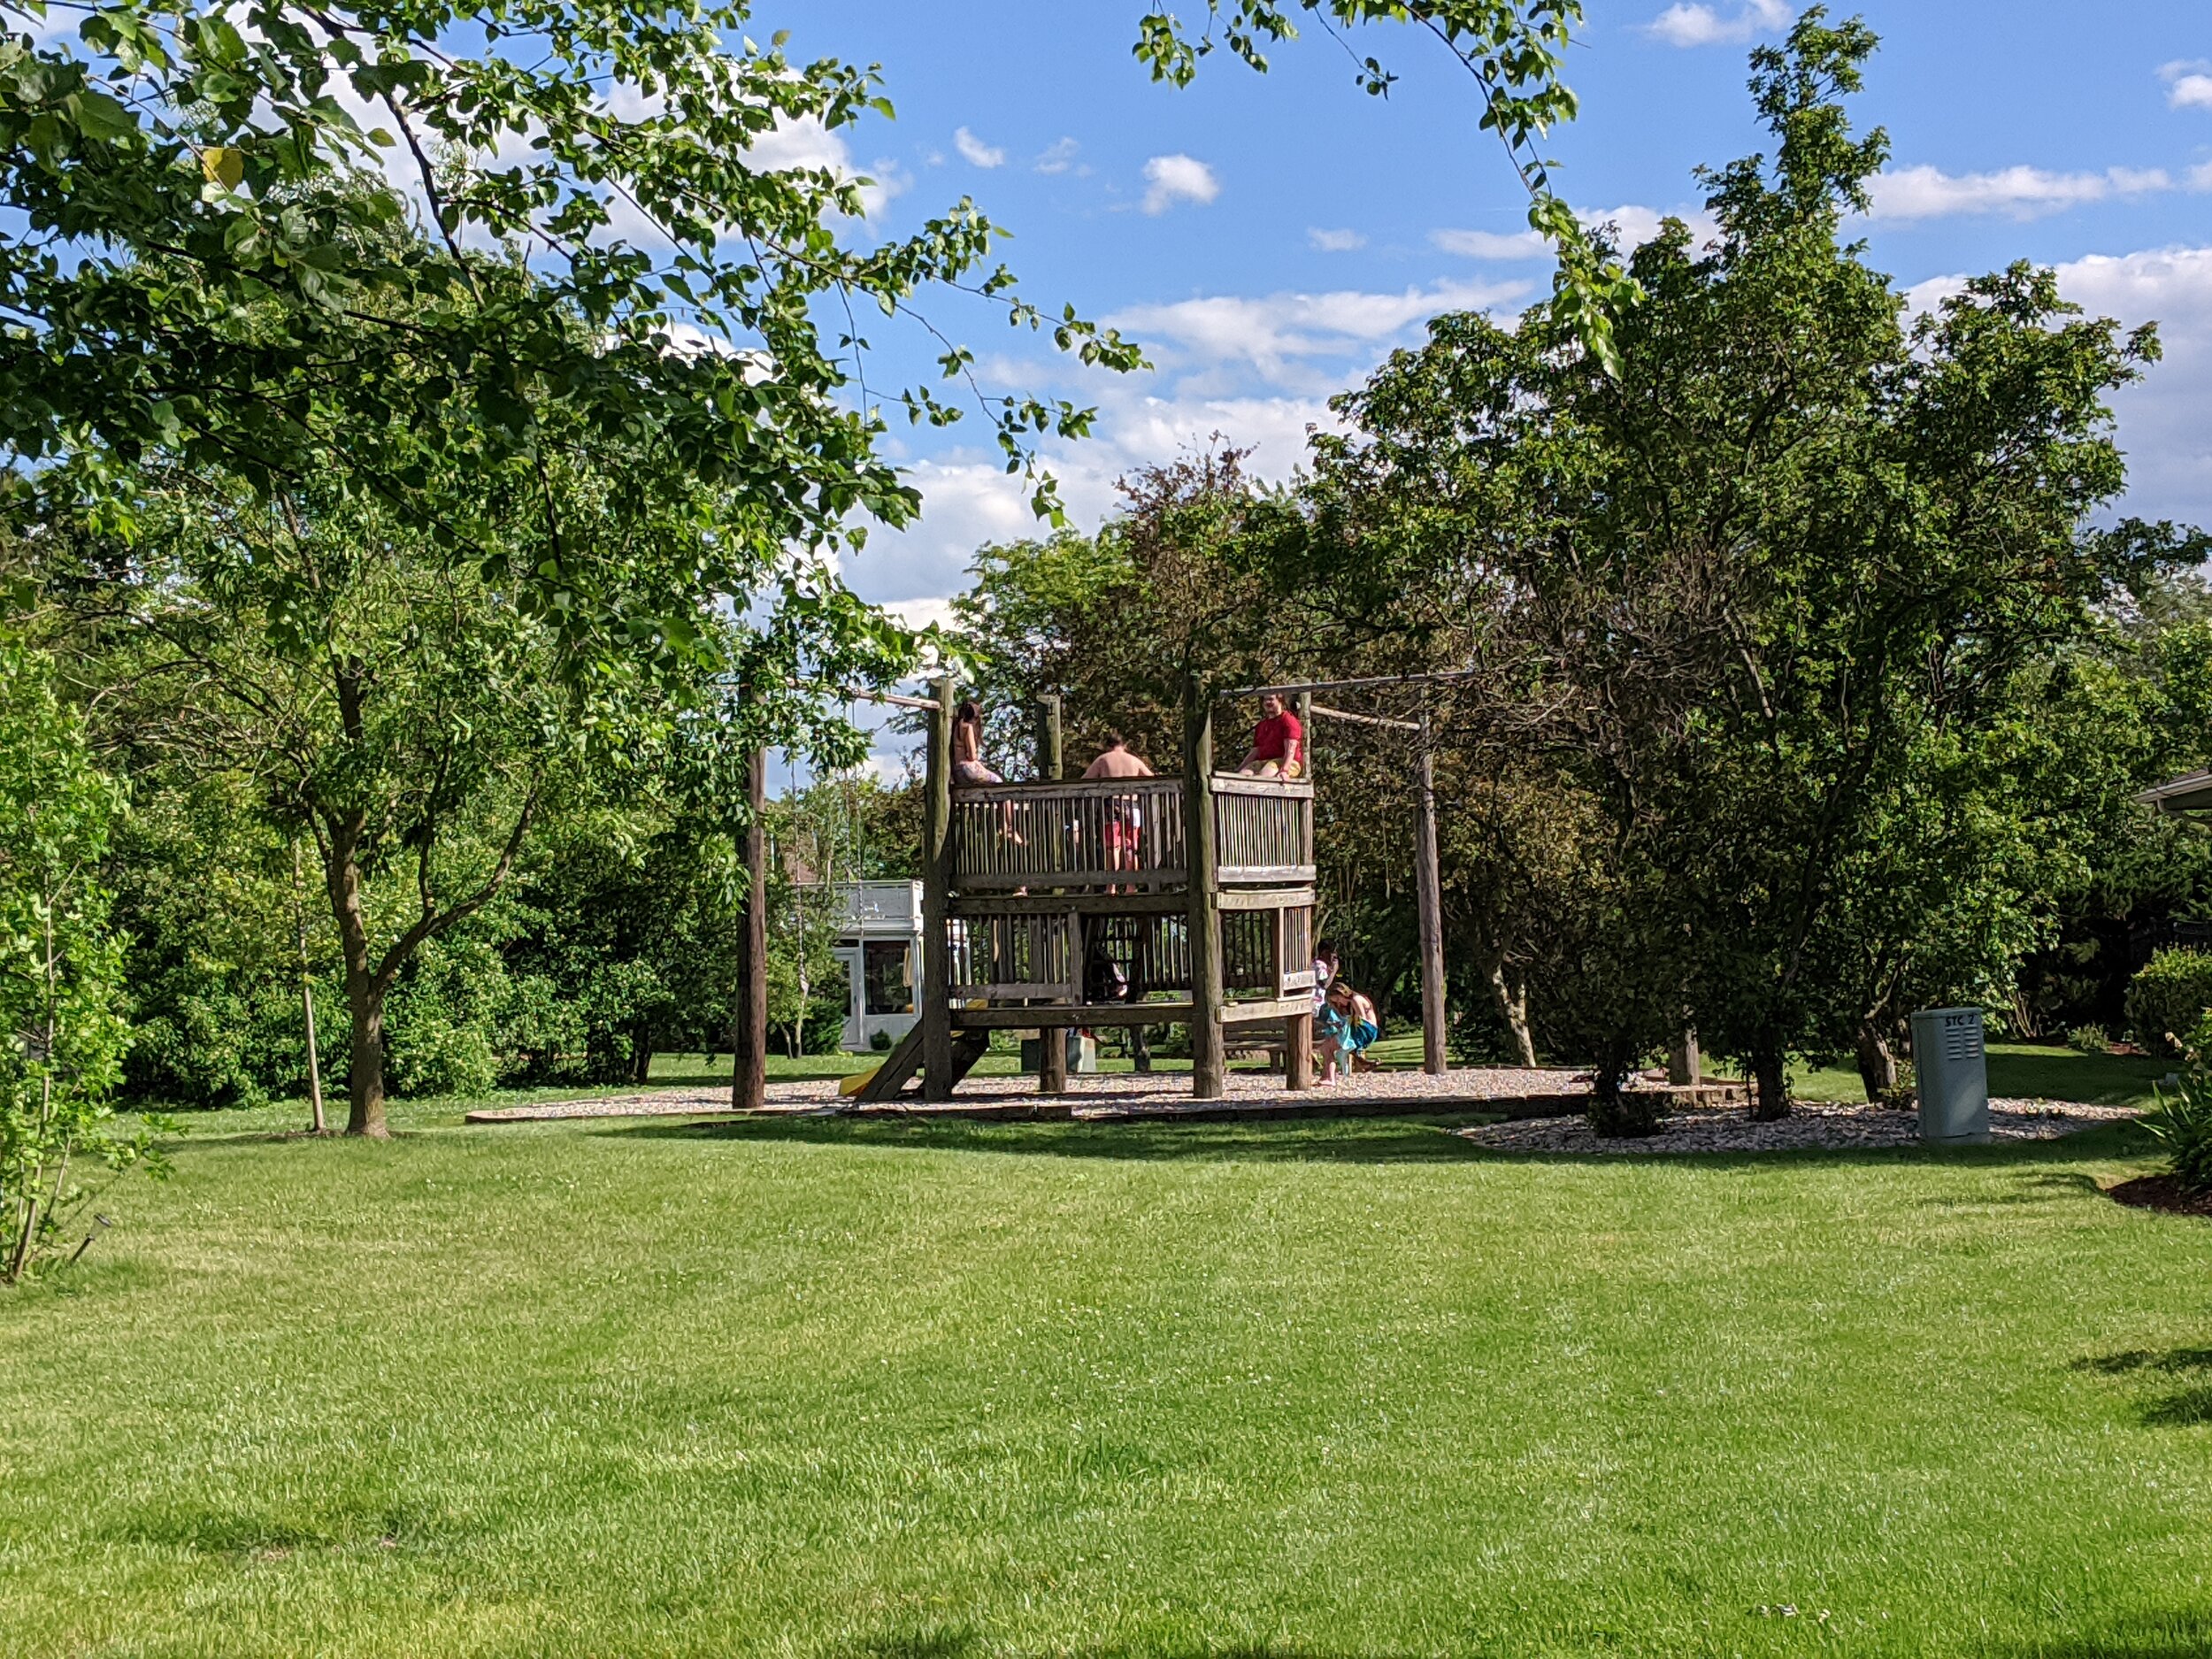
1812	1125
1107	1091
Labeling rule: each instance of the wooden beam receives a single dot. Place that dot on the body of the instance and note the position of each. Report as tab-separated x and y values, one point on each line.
938	1078
1209	1064
1359	719
1259	1013
1290	898
1295	688
982	904
1427	884
1064	1015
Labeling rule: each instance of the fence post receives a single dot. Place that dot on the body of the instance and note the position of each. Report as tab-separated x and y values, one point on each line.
1209	1066
1427	880
937	1078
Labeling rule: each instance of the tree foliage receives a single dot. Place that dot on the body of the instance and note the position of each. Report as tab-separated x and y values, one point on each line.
62	1033
1783	594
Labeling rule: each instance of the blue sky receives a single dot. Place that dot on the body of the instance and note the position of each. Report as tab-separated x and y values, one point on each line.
1269	238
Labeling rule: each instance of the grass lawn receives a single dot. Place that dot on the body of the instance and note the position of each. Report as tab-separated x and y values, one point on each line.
2031	1071
812	1386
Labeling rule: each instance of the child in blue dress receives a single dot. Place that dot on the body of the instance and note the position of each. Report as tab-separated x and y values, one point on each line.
1344	1029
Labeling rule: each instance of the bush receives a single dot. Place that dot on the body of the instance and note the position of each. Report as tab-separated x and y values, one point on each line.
2167	997
1904	1095
2182	1120
1630	1114
2089	1039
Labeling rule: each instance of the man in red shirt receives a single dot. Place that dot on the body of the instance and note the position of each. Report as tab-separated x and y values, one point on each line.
1279	744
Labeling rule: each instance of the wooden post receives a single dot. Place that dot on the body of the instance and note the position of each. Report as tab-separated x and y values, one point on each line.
1209	1066
1305	735
1427	881
1298	1052
1052	1044
1049	758
937	1078
749	1040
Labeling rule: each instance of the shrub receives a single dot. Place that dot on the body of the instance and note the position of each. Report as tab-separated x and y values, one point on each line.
2167	998
1904	1095
2182	1120
62	1032
1627	1114
2089	1039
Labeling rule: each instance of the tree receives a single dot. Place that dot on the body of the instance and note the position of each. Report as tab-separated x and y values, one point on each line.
199	257
1774	586
62	1034
410	716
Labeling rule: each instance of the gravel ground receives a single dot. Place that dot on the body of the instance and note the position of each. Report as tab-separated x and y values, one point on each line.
1111	1093
1811	1125
1727	1128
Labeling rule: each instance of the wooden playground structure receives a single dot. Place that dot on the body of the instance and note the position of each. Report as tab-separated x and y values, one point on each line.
1058	904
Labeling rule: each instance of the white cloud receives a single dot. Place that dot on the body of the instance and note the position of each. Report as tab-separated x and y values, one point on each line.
2191	92
1490	244
1923	192
1634	226
2162	424
2188	83
1686	24
1335	241
1256	369
808	143
976	153
1173	179
1290	340
1058	156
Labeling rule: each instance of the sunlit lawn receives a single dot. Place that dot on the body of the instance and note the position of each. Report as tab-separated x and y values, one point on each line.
2030	1071
819	1387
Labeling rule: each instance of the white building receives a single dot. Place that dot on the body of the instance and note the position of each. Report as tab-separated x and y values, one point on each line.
879	944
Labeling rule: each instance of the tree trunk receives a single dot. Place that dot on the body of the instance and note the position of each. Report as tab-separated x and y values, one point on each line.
307	998
1771	1082
1513	1008
641	1058
1878	1064
364	1077
366	988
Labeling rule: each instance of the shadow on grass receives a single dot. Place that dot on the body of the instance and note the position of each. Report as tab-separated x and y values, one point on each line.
1345	1141
2178	1636
958	1644
1427	1139
2188	1407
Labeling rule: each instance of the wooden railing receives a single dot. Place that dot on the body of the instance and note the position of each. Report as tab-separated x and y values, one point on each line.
1263	830
1126	833
1102	957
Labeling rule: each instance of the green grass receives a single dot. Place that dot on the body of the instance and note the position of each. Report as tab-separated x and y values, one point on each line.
813	1386
2030	1071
